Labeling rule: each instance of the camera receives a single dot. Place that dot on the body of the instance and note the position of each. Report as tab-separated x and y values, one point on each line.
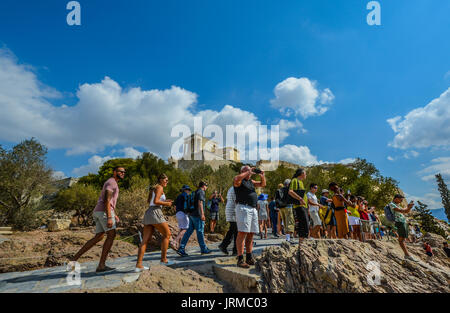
257	171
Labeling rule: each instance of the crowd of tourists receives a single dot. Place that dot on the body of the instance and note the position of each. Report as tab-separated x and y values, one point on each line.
293	212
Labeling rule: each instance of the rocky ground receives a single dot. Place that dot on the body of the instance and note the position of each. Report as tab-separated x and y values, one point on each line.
162	279
344	265
24	251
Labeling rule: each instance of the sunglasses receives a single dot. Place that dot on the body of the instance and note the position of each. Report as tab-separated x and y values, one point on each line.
121	172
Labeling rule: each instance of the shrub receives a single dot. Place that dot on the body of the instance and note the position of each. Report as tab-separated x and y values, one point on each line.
132	202
80	198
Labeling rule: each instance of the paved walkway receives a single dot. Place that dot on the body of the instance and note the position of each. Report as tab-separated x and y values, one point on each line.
54	279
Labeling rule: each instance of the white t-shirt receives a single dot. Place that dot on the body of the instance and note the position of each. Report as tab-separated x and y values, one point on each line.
313	198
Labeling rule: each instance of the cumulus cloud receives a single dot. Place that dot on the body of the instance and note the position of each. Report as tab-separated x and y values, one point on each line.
424	127
432	199
297	154
347	161
439	165
92	167
390	158
411	154
58	175
105	115
302	97
130	152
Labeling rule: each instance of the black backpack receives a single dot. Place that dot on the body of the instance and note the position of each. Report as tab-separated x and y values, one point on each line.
281	197
189	203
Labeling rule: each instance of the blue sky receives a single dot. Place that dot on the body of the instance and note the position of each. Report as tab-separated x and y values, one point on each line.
104	89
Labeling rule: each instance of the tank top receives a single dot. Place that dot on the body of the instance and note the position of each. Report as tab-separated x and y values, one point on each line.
162	198
246	194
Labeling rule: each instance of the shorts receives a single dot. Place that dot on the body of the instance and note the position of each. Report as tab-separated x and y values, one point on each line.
365	226
302	225
262	215
315	218
247	219
287	217
353	221
153	216
402	229
214	216
183	220
101	220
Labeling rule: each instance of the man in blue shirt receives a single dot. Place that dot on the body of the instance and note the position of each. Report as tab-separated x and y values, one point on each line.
196	222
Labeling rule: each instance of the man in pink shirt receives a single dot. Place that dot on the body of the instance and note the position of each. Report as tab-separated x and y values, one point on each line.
105	219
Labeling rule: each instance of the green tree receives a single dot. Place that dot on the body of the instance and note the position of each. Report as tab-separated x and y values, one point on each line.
24	178
276	177
80	198
445	194
199	173
426	220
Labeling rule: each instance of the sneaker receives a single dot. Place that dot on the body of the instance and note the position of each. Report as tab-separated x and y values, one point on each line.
223	249
250	261
276	236
411	258
182	253
168	263
206	252
138	269
242	264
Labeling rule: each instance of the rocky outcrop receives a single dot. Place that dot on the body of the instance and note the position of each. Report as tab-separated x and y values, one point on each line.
58	224
351	266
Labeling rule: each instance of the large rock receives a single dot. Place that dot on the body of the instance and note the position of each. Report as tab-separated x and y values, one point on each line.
344	266
436	241
58	224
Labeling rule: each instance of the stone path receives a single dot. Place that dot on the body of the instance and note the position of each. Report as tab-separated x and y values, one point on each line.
54	279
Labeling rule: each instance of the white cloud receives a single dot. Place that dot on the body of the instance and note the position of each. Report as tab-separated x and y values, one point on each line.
390	158
424	127
92	167
347	161
411	154
106	115
286	126
439	165
58	175
298	154
130	152
300	96
432	199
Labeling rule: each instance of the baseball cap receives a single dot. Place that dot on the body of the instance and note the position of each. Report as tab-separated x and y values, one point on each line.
398	196
325	191
185	187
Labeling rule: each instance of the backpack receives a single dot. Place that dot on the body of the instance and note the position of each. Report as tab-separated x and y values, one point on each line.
389	214
281	197
189	202
326	214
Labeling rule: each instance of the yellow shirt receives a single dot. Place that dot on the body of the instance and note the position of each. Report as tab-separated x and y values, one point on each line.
353	211
296	185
